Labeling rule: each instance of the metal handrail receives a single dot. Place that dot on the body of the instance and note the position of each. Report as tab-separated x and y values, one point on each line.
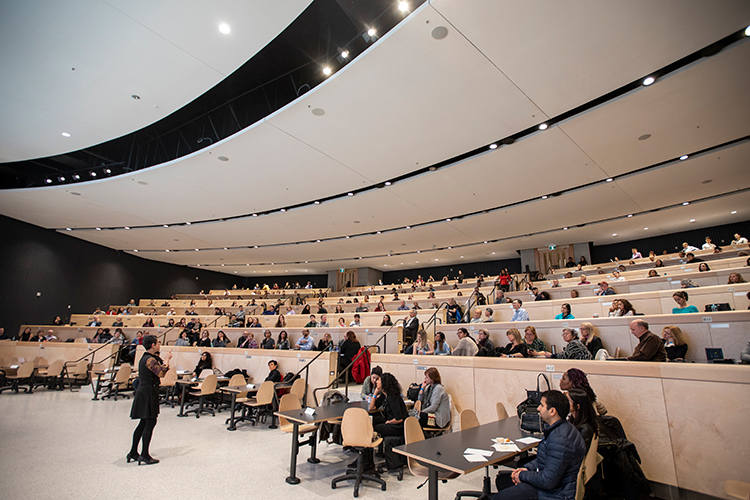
346	369
434	319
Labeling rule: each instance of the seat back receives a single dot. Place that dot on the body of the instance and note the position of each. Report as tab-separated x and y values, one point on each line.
237	380
80	340
170	377
298	388
356	428
469	419
205	373
502	413
412	431
26	369
209	385
588	468
288	402
123	374
82	368
40	361
265	393
55	369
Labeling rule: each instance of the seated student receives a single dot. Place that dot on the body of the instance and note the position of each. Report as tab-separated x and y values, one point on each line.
516	347
281	322
582	415
584	281
221	340
604	289
674	343
477	316
467	346
681	297
454	314
519	313
183	340
532	340
703	267
205	363
441	347
590	339
421	345
574	349
653	274
616	276
735	278
387	395
247	341
436	410
574	378
283	342
371	382
305	342
267	342
356	321
485	345
488	315
326	343
554	472
274	375
650	347
205	340
386	320
565	312
745	354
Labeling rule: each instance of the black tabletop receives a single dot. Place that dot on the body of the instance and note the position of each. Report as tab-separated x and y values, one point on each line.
447	451
322	413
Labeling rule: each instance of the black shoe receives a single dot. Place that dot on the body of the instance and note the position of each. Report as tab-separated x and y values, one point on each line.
132	456
147	460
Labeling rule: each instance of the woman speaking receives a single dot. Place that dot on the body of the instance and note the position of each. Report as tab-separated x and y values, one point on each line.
146	400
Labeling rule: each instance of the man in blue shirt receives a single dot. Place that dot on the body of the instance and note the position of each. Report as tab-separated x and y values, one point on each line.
554	472
519	314
305	342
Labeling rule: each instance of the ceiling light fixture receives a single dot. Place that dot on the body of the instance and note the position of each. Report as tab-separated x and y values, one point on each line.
326	70
645	229
684	157
76	177
565	229
92	173
255	215
68	229
614	234
403	6
733	212
543	126
648	80
98	229
347	237
371	33
350	194
387	183
344	54
127	227
135	250
61	179
692	220
317	202
630	215
48	181
747	31
197	250
224	28
447	220
166	225
686	203
544	197
493	146
167	250
609	179
408	227
107	171
188	223
65	134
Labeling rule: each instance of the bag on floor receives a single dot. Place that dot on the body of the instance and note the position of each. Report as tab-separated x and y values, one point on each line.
527	410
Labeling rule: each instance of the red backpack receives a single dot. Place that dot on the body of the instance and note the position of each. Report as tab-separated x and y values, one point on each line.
361	367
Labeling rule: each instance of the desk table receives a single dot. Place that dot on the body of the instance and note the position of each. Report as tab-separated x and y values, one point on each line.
190	383
447	451
234	391
299	417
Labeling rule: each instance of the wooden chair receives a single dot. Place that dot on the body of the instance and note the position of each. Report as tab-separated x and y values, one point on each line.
79	373
298	389
737	489
502	413
469	420
167	386
52	375
24	376
291	402
413	434
205	373
259	405
356	429
207	390
237	380
120	382
588	468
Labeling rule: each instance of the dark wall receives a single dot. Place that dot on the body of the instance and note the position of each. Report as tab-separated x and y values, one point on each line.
469	270
721	236
75	276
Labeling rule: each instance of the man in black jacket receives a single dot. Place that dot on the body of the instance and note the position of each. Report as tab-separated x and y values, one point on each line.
411	325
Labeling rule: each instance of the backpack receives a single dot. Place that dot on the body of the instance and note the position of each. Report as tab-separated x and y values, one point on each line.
361	367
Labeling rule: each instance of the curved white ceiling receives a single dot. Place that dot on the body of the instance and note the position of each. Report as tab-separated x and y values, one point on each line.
411	101
73	66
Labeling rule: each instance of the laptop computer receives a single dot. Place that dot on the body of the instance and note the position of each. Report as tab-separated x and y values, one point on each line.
716	355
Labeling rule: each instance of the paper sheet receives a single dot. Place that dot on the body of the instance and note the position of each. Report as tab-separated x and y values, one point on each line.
475	458
475	451
505	448
528	440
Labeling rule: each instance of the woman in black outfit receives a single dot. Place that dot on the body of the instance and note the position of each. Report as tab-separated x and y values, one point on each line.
146	399
582	415
325	344
387	395
347	351
205	363
516	348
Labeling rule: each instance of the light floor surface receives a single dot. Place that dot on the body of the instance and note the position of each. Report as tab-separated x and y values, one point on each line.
63	445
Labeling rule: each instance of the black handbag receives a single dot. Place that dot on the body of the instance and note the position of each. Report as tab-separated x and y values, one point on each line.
527	410
412	393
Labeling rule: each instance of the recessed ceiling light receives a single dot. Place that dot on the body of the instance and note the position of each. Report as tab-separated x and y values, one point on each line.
93	174
544	197
648	80
543	126
419	251
436	260
645	229
247	264
224	28
197	250
609	179
403	6
462	256
225	248
408	227
188	223
450	248
326	70
48	181
317	241
733	212
68	229
684	157
493	253
344	54
76	176
317	202
255	215
485	242
223	265
692	220
167	250
306	262
347	237
387	183
493	146
614	234
565	229
166	225
65	134
135	250
61	179
282	210
747	31
256	246
630	215
686	203
447	220
372	32
378	232
107	171
98	229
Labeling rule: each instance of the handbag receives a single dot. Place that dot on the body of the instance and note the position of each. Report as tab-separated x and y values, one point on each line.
412	392
530	420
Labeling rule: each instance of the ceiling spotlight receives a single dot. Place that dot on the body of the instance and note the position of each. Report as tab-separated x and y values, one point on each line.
408	227
255	215
609	179
684	157
92	173
224	28
166	225
68	229
614	234
419	251
747	31
107	171
447	220
135	250
648	80
127	227
493	146
197	250
403	6
344	54
61	179
350	194
65	134
327	70
225	248
256	246
486	242
543	126
76	177
48	181
387	183
733	212
544	197
282	210
360	258
565	229
223	265
686	203
692	220
317	241
98	229
188	223
450	248
645	229
630	215
371	32
317	202
347	237
167	250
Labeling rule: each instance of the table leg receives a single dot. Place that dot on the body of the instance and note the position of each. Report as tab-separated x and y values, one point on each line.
182	401
98	387
232	427
313	459
487	483
293	479
432	485
273	425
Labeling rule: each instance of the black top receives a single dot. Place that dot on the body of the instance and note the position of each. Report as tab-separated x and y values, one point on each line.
274	376
394	408
268	343
676	351
510	350
146	398
347	352
203	364
203	343
587	433
593	347
324	346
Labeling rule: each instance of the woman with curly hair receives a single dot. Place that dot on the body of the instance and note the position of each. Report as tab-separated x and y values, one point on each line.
387	395
577	379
